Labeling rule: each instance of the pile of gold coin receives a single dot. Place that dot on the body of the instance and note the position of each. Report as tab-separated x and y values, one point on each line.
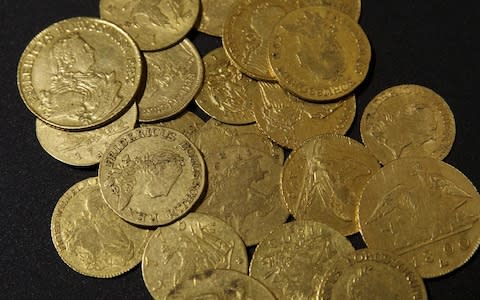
184	197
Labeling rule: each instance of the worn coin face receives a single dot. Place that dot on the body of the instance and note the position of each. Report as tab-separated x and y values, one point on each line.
74	75
319	54
83	148
213	15
290	121
352	8
408	121
153	24
224	92
423	210
187	123
291	260
90	238
151	175
174	76
371	274
191	245
323	179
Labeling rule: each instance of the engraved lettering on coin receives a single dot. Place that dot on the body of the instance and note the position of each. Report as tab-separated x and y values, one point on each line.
187	123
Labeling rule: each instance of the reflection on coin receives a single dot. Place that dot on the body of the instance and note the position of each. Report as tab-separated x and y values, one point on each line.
151	175
174	76
186	123
408	121
73	74
213	15
224	92
83	148
373	275
323	179
90	238
153	24
191	245
290	121
291	260
319	53
423	210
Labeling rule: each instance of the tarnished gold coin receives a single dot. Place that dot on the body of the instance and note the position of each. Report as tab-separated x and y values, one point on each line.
189	246
151	175
213	15
187	123
373	275
319	54
74	75
220	284
153	24
352	8
90	238
291	260
83	148
423	210
174	76
290	121
224	92
408	121
323	180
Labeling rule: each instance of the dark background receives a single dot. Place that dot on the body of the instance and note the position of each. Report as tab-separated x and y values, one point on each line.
431	43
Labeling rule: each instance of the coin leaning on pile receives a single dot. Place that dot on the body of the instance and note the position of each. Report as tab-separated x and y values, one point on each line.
185	197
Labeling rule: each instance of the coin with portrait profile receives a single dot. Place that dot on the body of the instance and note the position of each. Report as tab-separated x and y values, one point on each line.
151	175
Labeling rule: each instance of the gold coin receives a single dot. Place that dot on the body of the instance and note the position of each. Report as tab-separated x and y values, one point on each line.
90	238
290	121
153	24
291	260
151	175
371	274
323	180
408	121
220	284
74	74
191	245
423	210
213	15
352	8
83	148
186	123
174	76
224	92
244	191
319	54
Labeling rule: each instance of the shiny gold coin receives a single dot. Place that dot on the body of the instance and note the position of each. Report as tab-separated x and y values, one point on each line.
187	123
319	54
408	121
151	176
220	284
352	8
191	245
290	121
423	210
153	24
224	92
323	180
213	15
90	238
84	148
74	75
174	76
291	260
373	275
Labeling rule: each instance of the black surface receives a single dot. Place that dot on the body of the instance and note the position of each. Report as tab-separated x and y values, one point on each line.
432	43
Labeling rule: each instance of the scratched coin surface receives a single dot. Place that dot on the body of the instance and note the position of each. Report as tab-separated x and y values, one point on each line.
189	246
323	180
83	148
151	175
186	123
291	260
174	76
90	238
423	210
213	15
79	73
373	275
290	121
153	24
244	191
408	121
319	54
224	92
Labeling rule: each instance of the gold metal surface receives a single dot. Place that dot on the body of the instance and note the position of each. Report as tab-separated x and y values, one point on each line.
213	15
187	123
